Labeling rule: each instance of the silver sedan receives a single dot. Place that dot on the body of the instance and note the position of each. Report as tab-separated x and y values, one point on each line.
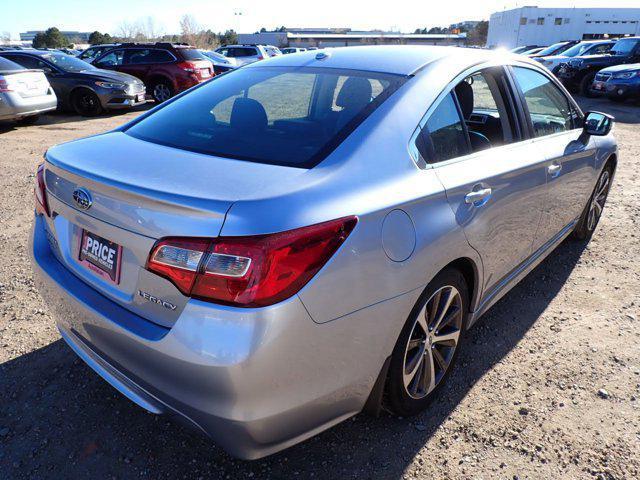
308	237
24	93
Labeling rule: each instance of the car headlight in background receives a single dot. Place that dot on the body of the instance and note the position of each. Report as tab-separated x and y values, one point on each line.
112	85
625	75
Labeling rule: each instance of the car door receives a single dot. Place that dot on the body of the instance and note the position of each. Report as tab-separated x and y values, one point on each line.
136	62
556	127
496	193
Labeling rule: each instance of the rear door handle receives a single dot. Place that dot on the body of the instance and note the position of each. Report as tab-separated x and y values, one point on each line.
554	169
478	197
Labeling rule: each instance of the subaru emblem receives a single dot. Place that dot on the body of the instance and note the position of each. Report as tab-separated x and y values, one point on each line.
82	198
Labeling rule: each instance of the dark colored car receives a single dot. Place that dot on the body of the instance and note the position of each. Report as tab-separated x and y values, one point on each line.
95	51
579	73
555	49
524	48
79	86
165	68
619	83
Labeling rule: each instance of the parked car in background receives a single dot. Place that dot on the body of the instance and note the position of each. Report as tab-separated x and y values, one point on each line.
288	50
220	63
70	51
533	51
555	49
312	235
244	54
619	83
93	52
525	48
578	73
165	68
589	47
24	93
272	51
80	86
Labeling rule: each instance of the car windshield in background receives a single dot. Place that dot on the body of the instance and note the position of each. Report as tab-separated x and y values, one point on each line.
216	56
8	65
278	115
191	54
67	63
551	49
577	50
624	46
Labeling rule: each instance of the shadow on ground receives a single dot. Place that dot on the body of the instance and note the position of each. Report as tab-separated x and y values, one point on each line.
53	120
60	420
625	112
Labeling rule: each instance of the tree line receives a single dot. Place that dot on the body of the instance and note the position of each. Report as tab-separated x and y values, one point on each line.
475	36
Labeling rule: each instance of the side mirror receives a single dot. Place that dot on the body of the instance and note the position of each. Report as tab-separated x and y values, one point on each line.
47	70
597	123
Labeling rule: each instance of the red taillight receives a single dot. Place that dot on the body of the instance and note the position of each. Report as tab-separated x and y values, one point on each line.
40	192
252	271
4	85
187	67
260	57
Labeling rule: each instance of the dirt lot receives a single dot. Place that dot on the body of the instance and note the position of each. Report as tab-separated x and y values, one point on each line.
548	387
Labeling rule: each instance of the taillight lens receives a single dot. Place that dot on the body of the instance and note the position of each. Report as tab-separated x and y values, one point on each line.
187	67
252	271
260	57
4	85
40	192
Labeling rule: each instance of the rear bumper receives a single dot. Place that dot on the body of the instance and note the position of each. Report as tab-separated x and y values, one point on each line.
13	106
255	380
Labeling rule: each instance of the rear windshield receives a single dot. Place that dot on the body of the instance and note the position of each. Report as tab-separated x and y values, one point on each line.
191	54
552	49
8	65
624	46
278	115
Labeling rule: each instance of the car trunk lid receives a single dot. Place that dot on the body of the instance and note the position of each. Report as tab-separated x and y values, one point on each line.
26	83
125	194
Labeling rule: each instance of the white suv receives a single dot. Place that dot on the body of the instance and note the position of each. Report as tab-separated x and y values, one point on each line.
245	54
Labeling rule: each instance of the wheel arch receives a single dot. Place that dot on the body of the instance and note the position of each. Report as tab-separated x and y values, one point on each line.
469	270
79	88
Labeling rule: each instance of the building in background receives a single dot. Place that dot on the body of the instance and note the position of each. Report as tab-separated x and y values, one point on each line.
544	26
72	36
345	37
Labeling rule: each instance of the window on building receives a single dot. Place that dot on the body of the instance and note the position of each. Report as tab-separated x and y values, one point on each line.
558	21
523	20
540	20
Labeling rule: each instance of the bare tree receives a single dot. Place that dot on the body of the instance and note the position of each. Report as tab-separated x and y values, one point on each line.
5	36
149	29
189	29
126	30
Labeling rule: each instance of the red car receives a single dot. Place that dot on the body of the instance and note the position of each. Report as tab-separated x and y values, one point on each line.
165	68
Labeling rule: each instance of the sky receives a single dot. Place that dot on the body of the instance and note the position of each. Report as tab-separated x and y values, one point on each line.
247	16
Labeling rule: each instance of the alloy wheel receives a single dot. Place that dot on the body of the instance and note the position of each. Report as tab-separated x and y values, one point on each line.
433	342
161	92
598	200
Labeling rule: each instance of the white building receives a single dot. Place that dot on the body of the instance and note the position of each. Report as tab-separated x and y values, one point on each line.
350	38
544	26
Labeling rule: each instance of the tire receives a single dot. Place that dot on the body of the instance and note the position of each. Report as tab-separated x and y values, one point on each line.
585	85
86	103
409	387
30	120
597	200
161	90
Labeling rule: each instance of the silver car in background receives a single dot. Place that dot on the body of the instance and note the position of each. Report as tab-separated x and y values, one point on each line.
24	93
308	237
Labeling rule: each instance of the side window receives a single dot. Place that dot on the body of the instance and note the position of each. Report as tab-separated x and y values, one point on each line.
111	59
137	56
600	49
160	56
446	132
549	108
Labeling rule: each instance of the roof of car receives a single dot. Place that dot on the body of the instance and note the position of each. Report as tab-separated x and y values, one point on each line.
395	59
39	53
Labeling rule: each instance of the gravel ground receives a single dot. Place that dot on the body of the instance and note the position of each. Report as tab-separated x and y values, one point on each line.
547	387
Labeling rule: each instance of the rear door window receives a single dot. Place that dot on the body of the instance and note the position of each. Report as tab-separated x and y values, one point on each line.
278	115
7	65
550	110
